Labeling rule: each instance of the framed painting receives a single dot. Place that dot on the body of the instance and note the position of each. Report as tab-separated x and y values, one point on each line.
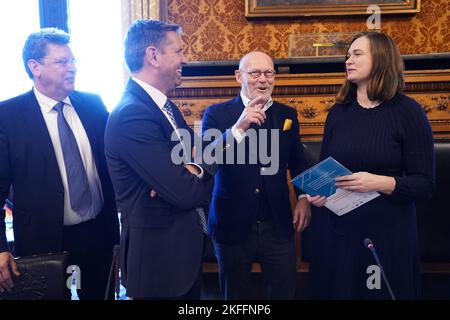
312	8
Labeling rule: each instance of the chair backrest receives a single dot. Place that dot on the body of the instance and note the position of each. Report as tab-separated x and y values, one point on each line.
312	154
433	216
312	151
42	277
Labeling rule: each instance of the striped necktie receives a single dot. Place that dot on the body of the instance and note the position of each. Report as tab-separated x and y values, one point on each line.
168	108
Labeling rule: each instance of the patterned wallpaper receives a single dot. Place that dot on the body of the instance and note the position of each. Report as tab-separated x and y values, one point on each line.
218	29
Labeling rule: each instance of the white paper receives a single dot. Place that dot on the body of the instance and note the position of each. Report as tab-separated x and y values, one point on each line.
344	201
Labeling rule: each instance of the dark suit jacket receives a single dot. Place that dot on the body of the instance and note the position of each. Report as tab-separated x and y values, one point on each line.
162	239
237	186
28	163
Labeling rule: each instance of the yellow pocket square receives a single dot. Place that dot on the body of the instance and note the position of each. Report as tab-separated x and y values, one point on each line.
287	124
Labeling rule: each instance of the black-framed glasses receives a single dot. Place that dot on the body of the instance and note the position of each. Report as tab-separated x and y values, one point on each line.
255	74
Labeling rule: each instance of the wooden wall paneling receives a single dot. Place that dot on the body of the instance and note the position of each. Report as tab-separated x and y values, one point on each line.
313	94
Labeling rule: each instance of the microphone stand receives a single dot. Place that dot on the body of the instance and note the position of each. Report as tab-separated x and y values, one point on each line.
369	245
111	270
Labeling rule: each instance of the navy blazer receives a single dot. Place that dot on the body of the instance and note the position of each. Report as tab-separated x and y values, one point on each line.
28	163
162	238
237	186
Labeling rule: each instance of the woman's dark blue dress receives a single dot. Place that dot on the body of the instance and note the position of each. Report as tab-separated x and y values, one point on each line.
393	139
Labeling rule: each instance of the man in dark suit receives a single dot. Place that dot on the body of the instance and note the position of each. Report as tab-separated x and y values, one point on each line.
52	154
250	216
162	233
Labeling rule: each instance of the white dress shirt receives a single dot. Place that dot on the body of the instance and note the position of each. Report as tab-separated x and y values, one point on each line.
158	97
50	115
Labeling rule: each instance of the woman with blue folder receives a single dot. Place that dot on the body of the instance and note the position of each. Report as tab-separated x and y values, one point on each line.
385	139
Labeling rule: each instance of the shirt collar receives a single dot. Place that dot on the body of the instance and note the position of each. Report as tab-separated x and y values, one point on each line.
46	103
246	101
158	97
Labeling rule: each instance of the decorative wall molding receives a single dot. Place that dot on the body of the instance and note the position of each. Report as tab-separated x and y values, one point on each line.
300	90
313	95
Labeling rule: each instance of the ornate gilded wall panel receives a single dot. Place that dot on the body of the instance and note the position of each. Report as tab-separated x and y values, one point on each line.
312	95
218	30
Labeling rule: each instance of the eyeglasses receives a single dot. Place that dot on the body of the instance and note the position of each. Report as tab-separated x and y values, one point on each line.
256	74
62	62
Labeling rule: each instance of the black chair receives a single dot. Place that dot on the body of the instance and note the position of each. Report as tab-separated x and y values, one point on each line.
42	277
312	155
433	216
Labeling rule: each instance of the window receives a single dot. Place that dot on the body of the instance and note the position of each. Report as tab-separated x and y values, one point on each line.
96	41
17	20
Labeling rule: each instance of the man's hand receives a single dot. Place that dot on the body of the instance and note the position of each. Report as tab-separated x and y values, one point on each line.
253	113
193	169
7	264
302	215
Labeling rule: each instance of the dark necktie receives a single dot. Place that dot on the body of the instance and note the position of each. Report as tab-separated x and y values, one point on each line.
168	108
80	194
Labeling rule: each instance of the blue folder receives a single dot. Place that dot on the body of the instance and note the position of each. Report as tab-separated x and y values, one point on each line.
319	179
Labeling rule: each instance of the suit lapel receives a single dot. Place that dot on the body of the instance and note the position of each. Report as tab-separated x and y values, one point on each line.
86	119
140	93
235	110
273	117
37	129
145	98
178	117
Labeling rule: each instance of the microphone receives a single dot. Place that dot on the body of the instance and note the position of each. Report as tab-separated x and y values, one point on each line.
369	245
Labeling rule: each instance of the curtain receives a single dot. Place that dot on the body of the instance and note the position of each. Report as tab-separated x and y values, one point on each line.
53	13
142	9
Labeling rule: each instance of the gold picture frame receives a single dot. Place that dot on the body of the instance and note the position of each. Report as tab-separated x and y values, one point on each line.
313	8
